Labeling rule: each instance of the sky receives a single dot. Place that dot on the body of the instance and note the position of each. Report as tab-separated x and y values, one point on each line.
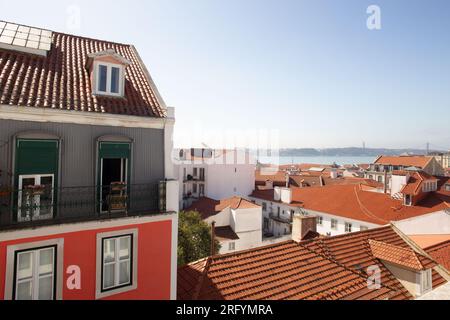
290	73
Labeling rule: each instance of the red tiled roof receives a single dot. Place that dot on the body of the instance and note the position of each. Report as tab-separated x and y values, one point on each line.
415	182
208	207
353	250
402	256
441	253
351	201
406	161
326	268
225	234
61	80
285	271
306	179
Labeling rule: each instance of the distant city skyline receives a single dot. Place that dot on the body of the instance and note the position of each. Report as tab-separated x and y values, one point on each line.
304	73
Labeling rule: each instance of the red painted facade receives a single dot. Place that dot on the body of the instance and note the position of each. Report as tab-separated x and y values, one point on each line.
153	261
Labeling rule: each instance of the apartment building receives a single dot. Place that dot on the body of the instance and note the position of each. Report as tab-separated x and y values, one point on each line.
443	158
87	196
216	174
344	209
381	170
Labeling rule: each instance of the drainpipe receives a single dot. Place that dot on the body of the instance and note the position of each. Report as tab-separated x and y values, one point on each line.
385	181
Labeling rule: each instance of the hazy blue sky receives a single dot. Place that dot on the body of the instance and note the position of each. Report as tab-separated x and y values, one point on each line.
311	70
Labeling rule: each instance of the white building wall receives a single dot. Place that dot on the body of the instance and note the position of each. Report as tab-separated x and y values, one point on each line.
224	177
434	223
222	219
278	229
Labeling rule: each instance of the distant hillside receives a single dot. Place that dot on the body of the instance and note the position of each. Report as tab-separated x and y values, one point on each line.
348	152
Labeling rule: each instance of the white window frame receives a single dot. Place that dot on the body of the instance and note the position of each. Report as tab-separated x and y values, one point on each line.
36	277
100	292
426	281
348	227
331	224
231	246
35	214
109	67
10	280
319	220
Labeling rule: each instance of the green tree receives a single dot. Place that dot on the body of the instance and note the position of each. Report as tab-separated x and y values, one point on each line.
194	238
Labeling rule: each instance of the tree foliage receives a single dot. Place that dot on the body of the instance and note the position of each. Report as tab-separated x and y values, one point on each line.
194	238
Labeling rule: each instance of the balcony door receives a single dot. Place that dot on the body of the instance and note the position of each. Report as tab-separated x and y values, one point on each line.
36	172
114	165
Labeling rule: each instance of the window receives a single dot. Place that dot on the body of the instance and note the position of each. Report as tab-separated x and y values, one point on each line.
319	220
231	246
110	79
348	227
447	187
426	281
363	228
202	174
202	190
334	224
278	212
264	206
380	179
194	188
34	204
117	262
195	172
35	271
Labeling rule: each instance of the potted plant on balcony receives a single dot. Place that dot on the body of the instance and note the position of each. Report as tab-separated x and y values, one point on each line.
34	190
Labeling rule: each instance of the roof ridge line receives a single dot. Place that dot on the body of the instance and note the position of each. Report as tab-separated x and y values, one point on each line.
202	278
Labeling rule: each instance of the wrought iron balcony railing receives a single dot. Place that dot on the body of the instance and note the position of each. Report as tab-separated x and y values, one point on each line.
43	205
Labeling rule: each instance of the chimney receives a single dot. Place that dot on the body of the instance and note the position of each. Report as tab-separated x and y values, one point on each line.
287	179
277	194
333	173
283	195
302	225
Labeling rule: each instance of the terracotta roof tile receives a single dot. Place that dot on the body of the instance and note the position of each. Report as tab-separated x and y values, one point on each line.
441	253
208	207
327	268
225	234
61	80
285	271
402	256
351	201
406	161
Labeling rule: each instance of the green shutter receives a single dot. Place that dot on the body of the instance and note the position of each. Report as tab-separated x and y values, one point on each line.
115	150
37	157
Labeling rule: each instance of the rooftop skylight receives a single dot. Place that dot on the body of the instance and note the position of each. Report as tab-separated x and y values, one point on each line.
25	39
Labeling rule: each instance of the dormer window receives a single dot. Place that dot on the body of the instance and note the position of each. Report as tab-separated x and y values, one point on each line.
107	72
109	79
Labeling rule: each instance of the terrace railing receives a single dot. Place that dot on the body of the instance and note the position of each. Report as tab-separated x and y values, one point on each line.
43	205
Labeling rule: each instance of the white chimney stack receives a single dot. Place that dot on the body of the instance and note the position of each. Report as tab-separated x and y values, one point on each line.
333	174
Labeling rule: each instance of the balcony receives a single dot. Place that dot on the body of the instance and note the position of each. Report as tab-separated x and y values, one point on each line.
190	178
280	218
41	206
